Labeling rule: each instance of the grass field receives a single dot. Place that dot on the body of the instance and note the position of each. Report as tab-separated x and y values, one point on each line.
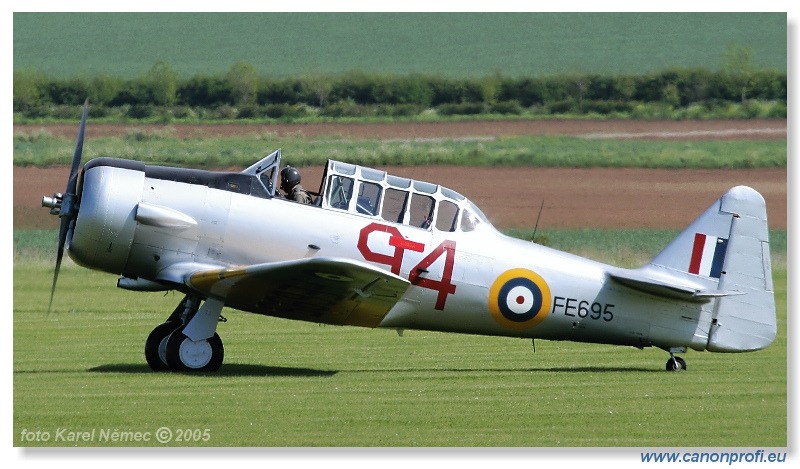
81	368
42	149
450	44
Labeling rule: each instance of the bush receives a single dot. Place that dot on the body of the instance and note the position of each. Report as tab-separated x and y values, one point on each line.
28	89
506	107
655	110
140	111
225	111
67	112
693	111
608	107
97	111
183	112
288	91
134	93
399	110
355	87
454	91
768	85
276	111
764	109
777	110
73	91
735	91
203	91
249	111
401	90
460	109
528	91
287	111
566	106
37	111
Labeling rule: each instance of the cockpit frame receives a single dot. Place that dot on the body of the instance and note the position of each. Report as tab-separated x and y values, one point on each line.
374	193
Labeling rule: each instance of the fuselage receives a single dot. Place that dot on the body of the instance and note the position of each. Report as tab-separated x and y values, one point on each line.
137	221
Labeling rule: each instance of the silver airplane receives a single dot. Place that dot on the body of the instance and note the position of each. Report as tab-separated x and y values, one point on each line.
377	250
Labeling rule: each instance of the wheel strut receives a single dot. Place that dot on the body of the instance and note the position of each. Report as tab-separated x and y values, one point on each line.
187	340
675	363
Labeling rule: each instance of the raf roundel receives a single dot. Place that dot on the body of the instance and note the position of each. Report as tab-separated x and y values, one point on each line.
519	299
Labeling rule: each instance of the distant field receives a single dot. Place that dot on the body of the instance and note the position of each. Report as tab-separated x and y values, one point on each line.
449	44
592	180
162	147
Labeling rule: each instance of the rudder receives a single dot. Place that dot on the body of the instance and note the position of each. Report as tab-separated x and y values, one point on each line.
728	245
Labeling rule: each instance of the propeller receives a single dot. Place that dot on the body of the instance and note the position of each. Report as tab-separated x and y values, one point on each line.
66	205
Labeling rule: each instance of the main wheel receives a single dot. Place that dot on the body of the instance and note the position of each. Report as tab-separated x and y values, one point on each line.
185	354
676	364
155	348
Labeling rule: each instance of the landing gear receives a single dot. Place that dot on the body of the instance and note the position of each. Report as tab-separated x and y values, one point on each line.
675	363
187	340
155	348
185	354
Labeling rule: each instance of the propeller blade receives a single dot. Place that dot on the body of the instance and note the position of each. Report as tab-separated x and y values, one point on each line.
62	237
72	182
69	208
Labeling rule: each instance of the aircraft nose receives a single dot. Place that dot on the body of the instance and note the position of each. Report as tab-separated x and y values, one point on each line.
105	225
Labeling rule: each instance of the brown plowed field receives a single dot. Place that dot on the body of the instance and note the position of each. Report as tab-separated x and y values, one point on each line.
510	197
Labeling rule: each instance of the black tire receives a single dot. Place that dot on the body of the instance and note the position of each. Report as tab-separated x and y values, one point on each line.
676	364
184	354
155	346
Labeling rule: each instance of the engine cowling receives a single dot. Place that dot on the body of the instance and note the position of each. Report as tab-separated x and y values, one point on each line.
105	225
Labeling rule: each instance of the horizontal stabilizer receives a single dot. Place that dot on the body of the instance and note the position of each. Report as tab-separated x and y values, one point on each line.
665	286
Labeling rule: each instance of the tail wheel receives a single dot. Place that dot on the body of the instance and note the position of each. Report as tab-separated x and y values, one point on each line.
676	364
155	348
185	354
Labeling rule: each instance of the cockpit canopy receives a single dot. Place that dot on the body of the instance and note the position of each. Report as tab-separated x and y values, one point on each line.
395	199
374	193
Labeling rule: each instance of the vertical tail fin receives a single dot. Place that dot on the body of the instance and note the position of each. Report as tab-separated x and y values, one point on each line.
728	246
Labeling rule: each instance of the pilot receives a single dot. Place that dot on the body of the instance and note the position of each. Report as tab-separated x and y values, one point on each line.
290	183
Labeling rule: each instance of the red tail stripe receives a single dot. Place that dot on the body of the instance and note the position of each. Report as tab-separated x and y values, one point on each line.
697	253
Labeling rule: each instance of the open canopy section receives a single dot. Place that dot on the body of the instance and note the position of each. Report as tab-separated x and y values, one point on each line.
266	170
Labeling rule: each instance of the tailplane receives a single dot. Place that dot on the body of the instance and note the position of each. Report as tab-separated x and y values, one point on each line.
722	256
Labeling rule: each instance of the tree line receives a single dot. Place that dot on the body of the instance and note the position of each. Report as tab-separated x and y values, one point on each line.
243	93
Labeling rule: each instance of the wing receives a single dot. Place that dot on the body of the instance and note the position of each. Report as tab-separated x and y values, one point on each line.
326	290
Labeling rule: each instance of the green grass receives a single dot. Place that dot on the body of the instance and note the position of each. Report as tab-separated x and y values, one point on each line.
450	44
42	149
81	367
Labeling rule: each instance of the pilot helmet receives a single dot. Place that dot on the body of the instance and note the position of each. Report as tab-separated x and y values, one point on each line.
290	177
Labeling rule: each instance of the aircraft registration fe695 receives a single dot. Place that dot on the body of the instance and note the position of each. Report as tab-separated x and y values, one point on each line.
376	250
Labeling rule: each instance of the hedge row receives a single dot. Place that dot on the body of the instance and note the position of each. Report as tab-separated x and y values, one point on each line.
250	95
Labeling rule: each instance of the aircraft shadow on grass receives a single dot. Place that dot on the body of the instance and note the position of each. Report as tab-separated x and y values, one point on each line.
233	369
582	369
596	369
